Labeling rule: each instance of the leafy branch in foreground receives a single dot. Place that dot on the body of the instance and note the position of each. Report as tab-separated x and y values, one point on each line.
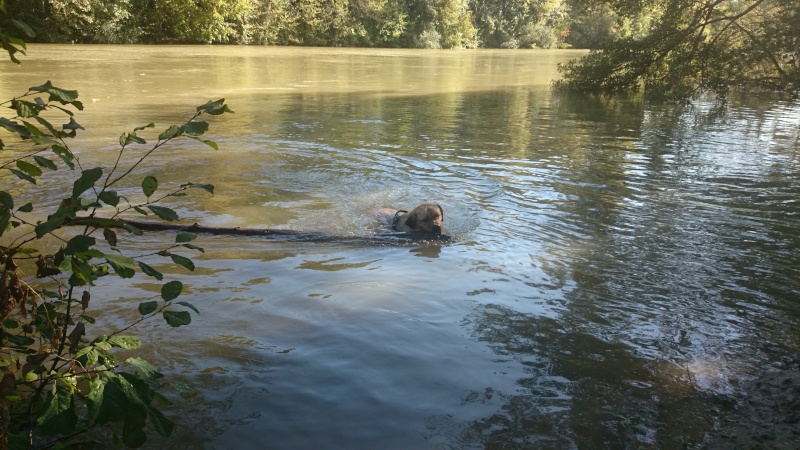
58	382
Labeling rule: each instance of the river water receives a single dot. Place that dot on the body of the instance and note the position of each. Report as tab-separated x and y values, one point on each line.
620	275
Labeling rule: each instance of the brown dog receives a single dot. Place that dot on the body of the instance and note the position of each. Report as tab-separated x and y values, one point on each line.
426	218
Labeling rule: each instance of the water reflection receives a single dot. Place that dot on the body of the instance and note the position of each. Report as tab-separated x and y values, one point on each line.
331	265
432	250
580	391
619	272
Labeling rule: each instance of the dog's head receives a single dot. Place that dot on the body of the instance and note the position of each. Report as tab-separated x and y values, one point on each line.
426	217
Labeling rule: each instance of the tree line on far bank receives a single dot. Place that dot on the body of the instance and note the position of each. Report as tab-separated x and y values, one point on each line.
346	23
673	49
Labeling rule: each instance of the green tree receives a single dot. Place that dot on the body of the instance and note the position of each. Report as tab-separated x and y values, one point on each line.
440	24
384	22
195	21
519	23
268	22
87	21
697	46
130	21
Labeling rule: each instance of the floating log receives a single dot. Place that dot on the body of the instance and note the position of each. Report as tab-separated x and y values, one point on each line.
283	234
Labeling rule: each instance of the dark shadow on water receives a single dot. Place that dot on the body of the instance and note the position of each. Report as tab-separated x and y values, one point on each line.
579	392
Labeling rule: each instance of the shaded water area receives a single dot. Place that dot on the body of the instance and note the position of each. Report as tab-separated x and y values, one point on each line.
621	275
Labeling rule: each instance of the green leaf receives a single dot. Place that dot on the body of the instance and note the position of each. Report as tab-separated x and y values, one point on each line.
59	417
133	434
23	176
126	342
46	124
82	272
44	162
184	236
26	208
109	198
162	425
170	133
66	209
141	211
26	109
130	138
22	26
88	318
138	392
22	341
171	290
14	127
5	220
29	168
195	128
182	260
194	247
69	113
33	129
86	181
189	305
211	144
160	399
64	154
62	95
149	271
123	265
177	318
149	185
6	200
214	108
163	212
146	308
206	187
42	88
72	125
79	244
149	125
145	369
44	140
106	402
132	229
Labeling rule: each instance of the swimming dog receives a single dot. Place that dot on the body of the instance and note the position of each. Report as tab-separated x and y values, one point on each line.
426	218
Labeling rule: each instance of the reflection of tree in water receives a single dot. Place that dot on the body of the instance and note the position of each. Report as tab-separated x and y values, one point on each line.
580	392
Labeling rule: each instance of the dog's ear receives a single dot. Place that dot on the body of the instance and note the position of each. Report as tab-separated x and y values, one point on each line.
411	220
441	211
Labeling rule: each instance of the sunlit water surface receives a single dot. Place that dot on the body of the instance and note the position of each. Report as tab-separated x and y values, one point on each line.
618	274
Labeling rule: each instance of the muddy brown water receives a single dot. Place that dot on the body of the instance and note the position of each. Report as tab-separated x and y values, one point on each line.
621	275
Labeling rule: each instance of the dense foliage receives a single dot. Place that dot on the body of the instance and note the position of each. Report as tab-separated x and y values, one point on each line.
371	23
695	46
